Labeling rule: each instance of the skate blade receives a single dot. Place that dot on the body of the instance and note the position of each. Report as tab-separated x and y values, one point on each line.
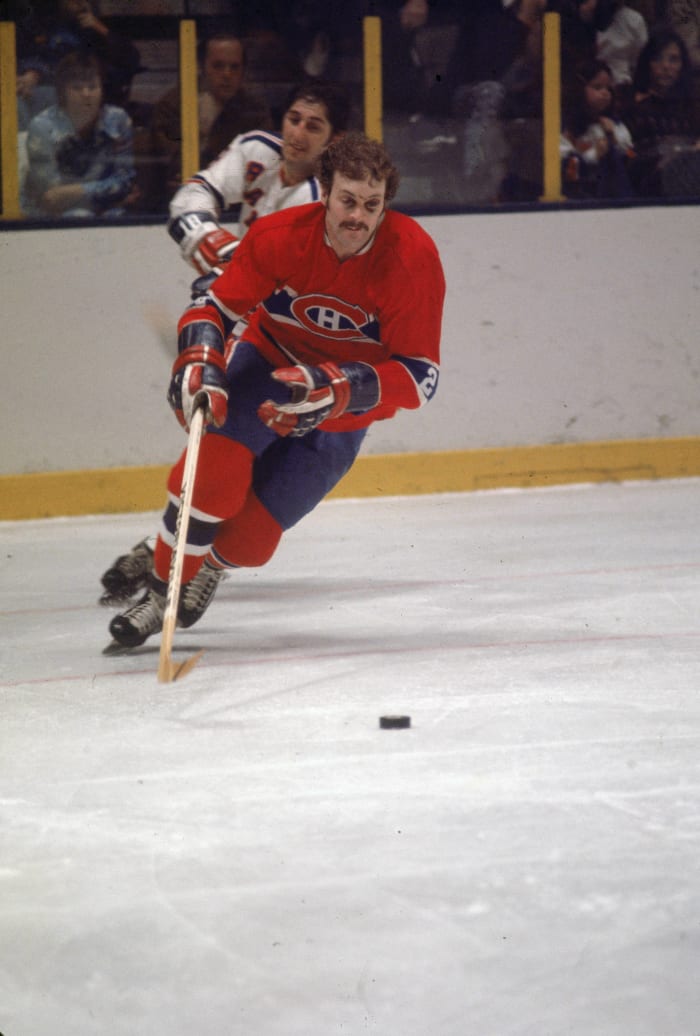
115	648
115	600
168	671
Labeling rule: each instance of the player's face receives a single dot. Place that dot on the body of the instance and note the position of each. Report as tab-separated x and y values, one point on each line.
305	132
353	211
223	69
83	98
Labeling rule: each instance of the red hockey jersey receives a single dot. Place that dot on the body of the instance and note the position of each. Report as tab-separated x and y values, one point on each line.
382	306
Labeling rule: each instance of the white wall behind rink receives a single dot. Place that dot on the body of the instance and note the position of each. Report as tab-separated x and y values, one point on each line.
560	326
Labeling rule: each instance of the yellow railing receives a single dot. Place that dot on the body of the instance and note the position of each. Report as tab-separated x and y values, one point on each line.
8	123
551	107
372	54
189	106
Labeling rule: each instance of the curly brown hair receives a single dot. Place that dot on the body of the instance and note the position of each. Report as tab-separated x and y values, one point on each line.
358	158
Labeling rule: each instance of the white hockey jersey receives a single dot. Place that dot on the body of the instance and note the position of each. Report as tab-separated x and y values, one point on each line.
248	173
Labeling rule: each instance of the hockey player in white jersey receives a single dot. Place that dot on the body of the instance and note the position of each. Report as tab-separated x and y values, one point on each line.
261	172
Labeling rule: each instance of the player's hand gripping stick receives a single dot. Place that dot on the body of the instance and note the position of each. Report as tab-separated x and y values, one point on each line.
199	369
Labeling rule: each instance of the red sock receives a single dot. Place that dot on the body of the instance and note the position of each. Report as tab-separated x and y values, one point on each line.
249	539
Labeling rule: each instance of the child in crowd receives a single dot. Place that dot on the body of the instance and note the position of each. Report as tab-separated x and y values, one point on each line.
595	146
79	151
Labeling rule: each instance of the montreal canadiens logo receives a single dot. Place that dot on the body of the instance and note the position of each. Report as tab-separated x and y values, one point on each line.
326	315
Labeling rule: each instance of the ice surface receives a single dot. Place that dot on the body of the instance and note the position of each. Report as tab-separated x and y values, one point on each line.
245	853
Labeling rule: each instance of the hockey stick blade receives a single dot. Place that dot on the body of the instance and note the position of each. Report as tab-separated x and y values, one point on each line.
172	672
169	671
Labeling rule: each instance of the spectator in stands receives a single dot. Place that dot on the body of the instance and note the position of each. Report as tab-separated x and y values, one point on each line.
79	151
581	23
498	42
684	17
306	26
665	119
49	32
619	46
309	37
227	108
403	82
494	72
595	146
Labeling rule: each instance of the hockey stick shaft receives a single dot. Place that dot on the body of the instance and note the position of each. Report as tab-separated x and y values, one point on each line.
167	670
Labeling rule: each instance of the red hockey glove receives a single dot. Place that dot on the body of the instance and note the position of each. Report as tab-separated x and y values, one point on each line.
319	393
203	243
199	369
315	393
213	251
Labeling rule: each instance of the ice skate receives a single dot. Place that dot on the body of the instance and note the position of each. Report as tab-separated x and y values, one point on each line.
136	624
198	594
127	576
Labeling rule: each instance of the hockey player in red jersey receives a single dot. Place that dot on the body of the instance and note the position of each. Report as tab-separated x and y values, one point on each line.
260	172
346	300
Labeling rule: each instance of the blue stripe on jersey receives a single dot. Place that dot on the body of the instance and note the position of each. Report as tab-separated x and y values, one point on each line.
424	373
202	180
314	187
273	140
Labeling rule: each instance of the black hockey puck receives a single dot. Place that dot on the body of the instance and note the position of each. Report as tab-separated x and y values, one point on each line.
394	722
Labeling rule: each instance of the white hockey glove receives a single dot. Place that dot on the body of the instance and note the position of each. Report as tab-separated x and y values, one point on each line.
203	243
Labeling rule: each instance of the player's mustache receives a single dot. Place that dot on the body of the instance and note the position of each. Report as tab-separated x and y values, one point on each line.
350	224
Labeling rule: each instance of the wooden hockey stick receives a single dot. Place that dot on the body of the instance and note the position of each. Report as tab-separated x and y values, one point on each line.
167	669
